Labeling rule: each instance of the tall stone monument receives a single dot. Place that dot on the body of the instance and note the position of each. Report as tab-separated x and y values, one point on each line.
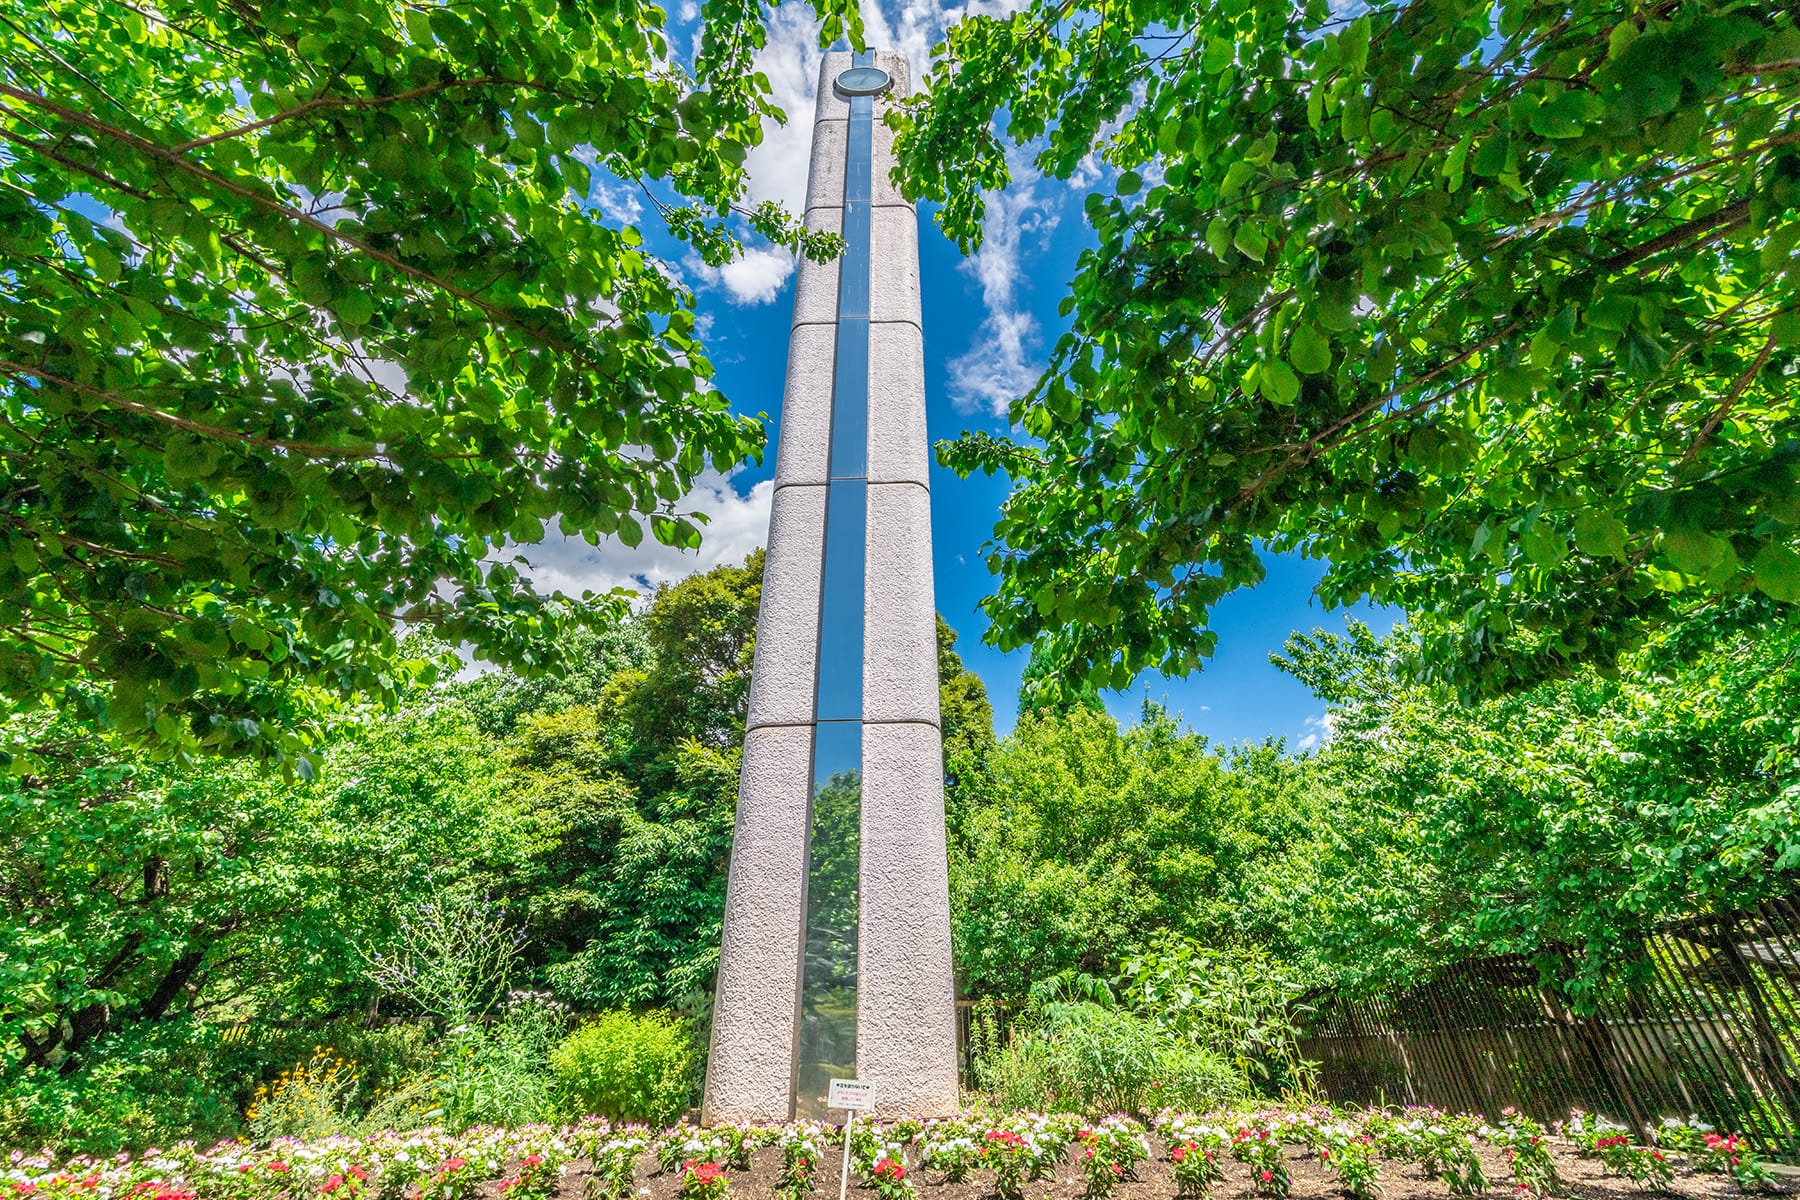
836	955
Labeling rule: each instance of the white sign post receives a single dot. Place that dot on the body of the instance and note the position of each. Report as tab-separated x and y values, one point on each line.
855	1096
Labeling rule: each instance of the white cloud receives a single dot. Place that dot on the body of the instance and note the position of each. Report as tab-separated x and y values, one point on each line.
1320	729
1001	363
756	278
790	60
738	524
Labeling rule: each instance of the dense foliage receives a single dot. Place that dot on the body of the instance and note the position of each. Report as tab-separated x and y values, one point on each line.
308	311
627	1068
149	910
1490	306
571	833
1078	844
1579	814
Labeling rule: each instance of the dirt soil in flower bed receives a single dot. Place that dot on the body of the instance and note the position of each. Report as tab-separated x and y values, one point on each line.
1399	1181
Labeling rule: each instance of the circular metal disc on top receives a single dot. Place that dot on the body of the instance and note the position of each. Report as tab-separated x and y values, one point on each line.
862	81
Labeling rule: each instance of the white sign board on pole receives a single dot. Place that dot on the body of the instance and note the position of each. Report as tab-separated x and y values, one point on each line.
856	1096
852	1094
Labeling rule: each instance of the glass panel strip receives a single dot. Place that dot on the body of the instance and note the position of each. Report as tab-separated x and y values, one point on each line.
850	401
827	1047
827	1035
840	684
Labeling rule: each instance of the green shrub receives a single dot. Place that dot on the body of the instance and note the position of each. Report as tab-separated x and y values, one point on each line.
1090	1058
499	1075
164	1081
627	1067
143	1084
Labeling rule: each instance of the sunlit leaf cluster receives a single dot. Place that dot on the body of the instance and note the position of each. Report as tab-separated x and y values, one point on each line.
1491	306
309	312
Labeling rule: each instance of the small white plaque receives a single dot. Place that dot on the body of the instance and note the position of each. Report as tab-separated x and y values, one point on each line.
852	1094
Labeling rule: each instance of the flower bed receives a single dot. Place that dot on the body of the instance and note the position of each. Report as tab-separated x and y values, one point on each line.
1312	1153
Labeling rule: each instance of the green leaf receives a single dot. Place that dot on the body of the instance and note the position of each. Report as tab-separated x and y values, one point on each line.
1567	115
1309	351
1251	241
1544	544
1218	236
1129	183
1600	535
1776	570
1692	552
1236	176
1545	348
355	308
1278	382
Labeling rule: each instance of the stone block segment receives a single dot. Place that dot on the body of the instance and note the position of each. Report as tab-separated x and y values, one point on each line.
893	278
787	626
899	619
898	446
825	185
803	454
750	1069
906	1014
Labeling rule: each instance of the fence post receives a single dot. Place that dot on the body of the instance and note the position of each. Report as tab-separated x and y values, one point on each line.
1768	1043
1599	1042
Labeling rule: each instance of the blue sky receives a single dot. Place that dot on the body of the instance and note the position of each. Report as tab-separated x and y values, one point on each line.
989	322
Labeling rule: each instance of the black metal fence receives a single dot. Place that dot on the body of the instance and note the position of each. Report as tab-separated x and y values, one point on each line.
1708	1024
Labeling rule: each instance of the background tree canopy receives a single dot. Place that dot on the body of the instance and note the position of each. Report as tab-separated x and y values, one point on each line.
147	906
305	315
1491	306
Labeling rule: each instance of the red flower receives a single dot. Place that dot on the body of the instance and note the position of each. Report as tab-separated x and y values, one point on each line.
887	1168
452	1164
1117	1169
278	1166
531	1160
702	1173
1268	1177
332	1185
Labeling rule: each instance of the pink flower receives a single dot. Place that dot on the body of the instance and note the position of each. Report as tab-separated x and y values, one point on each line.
1268	1177
278	1166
